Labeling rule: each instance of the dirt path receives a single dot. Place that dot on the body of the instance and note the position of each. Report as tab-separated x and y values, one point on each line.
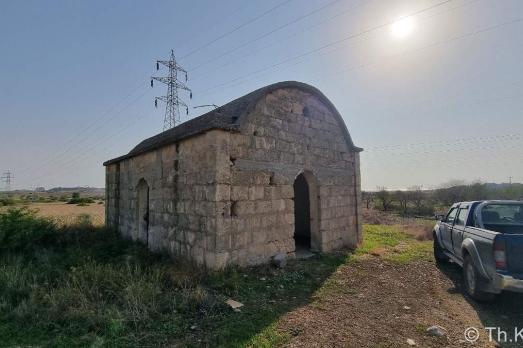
375	303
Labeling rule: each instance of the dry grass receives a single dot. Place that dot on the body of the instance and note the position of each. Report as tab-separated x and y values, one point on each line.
69	214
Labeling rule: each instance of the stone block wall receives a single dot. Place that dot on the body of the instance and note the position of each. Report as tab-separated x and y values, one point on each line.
287	133
226	197
185	197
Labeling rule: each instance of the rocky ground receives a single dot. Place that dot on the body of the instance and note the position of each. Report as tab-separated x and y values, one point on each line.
376	301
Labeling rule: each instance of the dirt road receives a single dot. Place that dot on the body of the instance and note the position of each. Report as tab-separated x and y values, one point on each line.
377	303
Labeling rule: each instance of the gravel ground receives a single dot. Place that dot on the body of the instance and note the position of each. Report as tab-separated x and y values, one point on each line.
376	303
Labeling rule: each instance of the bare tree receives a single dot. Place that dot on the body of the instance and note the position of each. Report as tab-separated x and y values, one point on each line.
451	192
368	198
385	198
417	197
403	198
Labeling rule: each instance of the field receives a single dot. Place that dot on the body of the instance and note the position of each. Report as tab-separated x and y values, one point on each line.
67	214
84	287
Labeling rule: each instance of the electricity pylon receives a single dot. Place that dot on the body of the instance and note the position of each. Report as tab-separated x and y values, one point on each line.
171	100
6	178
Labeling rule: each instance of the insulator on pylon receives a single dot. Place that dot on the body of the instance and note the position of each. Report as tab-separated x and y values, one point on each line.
156	103
186	110
190	95
185	77
151	82
157	66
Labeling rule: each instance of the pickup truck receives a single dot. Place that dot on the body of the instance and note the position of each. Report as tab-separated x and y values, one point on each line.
486	239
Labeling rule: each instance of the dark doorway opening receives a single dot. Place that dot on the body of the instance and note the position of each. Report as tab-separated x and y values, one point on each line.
302	214
143	211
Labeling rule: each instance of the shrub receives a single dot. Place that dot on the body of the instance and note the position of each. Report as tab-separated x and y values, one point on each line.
20	228
81	201
6	201
84	221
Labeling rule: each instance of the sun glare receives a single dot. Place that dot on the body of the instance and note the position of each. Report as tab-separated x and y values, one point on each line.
402	28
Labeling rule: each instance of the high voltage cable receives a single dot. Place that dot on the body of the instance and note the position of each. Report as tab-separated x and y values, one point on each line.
141	85
254	51
189	38
331	18
463	147
89	151
272	9
339	14
458	159
296	20
447	142
57	157
337	73
440	3
457	151
237	28
73	139
356	67
344	39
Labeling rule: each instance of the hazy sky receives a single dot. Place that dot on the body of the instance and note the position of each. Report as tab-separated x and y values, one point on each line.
442	102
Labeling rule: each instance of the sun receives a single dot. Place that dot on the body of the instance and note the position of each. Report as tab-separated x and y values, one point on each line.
402	28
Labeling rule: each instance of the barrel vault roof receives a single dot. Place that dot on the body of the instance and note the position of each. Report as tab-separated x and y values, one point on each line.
227	117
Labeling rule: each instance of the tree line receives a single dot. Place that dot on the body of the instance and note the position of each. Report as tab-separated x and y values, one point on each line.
417	201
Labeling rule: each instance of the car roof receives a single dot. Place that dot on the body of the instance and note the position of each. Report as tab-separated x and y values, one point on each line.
503	201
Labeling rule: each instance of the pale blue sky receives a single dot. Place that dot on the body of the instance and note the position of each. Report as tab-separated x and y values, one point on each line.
442	103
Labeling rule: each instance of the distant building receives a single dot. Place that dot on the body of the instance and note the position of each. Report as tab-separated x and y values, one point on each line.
273	172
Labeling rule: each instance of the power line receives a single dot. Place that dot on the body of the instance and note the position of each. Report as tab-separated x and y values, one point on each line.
294	21
141	84
462	141
344	39
75	141
190	38
80	138
88	152
272	43
244	24
342	13
338	73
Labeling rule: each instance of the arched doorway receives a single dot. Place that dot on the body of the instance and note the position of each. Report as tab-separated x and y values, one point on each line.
306	236
302	213
143	211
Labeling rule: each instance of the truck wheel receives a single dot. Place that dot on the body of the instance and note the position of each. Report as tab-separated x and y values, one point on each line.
439	254
473	280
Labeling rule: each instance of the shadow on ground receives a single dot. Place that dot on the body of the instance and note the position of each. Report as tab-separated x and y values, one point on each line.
84	286
267	293
504	312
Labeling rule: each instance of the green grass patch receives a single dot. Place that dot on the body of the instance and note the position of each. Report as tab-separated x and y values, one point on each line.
83	287
393	244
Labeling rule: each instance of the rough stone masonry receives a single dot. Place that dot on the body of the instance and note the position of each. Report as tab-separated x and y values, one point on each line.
273	172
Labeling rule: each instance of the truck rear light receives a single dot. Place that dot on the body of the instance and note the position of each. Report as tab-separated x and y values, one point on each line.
500	256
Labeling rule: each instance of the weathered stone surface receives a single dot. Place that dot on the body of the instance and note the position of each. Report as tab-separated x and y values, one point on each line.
227	197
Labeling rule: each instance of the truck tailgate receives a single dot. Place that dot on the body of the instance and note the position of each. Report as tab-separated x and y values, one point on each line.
514	250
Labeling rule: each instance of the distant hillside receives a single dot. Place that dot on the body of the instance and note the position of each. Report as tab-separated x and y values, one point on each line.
87	190
54	194
502	186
